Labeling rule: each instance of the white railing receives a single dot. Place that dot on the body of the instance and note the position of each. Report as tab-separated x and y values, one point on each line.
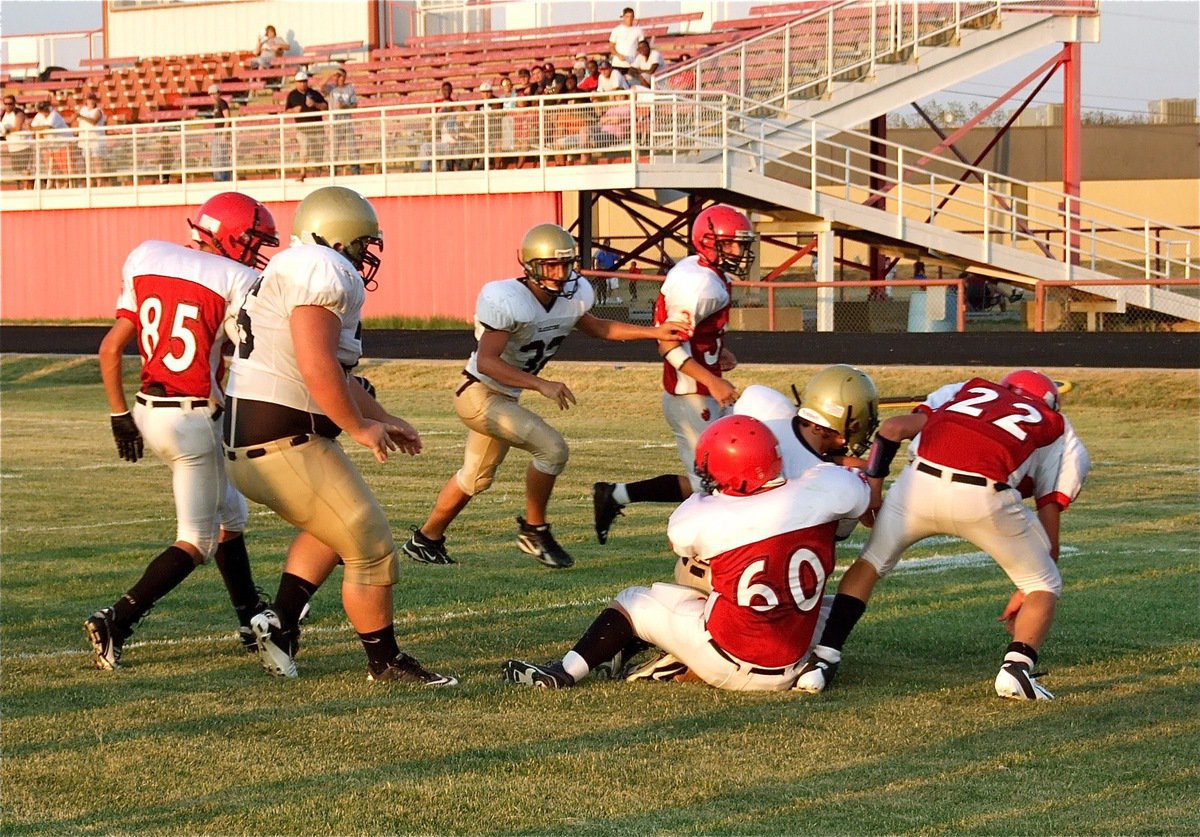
839	42
457	140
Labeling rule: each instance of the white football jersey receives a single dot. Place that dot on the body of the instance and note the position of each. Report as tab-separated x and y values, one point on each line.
1040	479
534	333
264	366
776	411
180	300
707	525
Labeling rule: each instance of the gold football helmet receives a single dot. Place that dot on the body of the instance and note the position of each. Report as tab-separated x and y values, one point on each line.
549	244
343	220
843	398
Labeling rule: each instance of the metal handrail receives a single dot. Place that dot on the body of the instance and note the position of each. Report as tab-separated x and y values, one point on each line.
705	129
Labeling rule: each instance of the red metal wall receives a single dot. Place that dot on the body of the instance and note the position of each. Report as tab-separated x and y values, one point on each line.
438	252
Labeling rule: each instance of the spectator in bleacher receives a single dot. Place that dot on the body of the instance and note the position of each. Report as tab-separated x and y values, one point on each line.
611	79
579	68
10	114
552	76
537	78
445	131
919	269
591	77
57	144
523	81
685	80
491	108
622	43
646	63
613	115
302	99
508	96
18	142
220	149
525	123
342	99
270	46
567	127
91	121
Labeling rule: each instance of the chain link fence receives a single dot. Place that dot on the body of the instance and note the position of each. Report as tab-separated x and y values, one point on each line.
964	304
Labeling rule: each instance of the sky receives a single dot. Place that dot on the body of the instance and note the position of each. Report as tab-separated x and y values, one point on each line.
1149	49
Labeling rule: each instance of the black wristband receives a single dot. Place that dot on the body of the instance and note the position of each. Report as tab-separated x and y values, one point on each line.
879	460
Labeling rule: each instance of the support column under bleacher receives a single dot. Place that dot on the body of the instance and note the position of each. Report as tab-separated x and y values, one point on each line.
1072	144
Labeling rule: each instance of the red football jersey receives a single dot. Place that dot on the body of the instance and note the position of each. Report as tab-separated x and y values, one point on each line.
770	555
769	595
699	296
178	299
987	429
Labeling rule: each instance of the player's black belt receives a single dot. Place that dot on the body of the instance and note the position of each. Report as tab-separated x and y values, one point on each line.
178	403
740	664
470	379
969	479
263	450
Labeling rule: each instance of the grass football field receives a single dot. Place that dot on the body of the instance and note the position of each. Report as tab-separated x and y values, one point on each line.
190	736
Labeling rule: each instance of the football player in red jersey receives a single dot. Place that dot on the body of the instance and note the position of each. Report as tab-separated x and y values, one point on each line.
697	291
175	302
770	543
974	450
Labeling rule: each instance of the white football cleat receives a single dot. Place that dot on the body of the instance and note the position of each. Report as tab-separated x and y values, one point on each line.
1016	683
816	675
275	650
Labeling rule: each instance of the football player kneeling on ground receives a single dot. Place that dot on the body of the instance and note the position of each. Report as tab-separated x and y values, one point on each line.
175	301
520	323
770	544
981	445
291	396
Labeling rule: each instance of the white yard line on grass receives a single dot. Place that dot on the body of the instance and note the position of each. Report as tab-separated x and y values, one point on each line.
935	563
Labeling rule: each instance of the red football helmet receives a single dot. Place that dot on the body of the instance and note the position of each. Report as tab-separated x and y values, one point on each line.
712	233
737	455
1032	384
236	226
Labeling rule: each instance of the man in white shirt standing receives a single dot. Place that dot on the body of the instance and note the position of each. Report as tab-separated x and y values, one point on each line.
622	43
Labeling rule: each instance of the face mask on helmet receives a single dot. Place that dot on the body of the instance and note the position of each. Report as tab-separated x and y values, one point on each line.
550	246
738	455
1033	384
236	226
343	220
844	400
724	239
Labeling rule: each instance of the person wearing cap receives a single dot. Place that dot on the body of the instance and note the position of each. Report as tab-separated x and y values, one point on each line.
579	68
308	102
56	141
220	149
611	79
622	43
91	120
342	99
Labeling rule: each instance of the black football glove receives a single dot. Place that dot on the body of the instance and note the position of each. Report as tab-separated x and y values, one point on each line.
129	440
367	385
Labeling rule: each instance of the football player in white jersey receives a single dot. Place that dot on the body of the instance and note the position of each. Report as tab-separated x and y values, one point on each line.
833	422
697	291
520	323
770	542
177	302
291	393
1052	474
